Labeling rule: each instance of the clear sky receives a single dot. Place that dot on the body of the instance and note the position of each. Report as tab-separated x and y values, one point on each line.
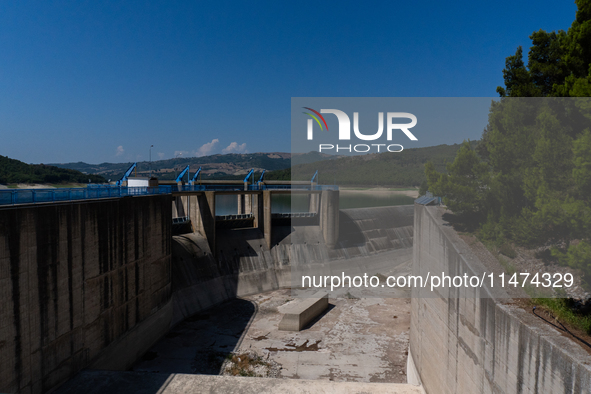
100	81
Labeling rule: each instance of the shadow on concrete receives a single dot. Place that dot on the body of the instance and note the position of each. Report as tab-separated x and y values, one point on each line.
320	316
280	233
201	343
182	228
350	234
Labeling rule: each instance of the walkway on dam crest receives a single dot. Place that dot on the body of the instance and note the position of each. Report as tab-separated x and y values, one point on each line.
95	382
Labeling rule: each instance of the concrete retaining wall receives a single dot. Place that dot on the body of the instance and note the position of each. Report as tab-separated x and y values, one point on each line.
76	281
461	342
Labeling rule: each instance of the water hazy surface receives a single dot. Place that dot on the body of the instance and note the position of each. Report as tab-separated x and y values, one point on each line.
282	203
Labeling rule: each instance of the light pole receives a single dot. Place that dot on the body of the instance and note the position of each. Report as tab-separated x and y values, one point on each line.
151	146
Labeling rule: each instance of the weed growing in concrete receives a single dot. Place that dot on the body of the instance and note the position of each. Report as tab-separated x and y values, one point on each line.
381	277
247	364
351	296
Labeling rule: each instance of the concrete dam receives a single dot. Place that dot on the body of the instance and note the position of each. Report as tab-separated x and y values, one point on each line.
89	287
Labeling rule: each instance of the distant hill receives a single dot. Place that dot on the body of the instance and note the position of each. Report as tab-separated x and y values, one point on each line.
215	166
387	169
15	171
383	169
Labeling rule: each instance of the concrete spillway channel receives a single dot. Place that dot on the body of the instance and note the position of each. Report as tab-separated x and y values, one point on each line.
99	296
226	311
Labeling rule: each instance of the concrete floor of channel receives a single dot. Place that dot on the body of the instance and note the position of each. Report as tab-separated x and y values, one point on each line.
355	340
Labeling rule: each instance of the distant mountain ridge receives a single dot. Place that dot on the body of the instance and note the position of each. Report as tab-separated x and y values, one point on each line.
378	169
229	165
15	171
392	169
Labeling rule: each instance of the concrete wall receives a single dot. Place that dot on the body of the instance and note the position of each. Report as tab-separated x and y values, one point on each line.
76	281
244	264
468	342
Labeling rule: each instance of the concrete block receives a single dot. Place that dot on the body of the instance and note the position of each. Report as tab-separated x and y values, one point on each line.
296	316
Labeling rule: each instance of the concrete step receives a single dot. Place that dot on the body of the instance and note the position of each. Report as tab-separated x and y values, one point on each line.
117	382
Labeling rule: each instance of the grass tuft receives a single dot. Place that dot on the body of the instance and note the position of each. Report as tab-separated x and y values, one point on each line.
562	310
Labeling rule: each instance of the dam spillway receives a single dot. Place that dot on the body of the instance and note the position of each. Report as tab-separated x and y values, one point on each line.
90	283
245	266
93	284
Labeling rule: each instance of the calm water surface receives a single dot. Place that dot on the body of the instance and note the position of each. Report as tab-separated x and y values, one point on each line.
228	204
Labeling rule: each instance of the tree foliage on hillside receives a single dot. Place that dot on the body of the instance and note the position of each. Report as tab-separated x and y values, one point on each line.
463	183
15	171
381	169
529	179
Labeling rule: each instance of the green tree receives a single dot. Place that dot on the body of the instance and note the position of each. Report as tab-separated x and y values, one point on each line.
518	80
464	186
424	188
532	181
545	61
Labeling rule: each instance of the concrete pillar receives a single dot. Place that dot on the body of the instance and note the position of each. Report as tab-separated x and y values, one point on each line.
240	209
267	216
203	216
258	211
195	215
179	207
329	217
187	204
313	199
247	200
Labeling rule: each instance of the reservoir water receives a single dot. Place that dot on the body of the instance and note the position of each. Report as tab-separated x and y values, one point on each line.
285	203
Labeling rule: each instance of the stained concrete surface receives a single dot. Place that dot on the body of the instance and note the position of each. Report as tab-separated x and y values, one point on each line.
79	280
469	341
356	340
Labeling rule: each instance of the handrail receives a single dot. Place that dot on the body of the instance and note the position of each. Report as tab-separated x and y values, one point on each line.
32	196
255	187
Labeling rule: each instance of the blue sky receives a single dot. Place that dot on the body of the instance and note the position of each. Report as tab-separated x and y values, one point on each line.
100	81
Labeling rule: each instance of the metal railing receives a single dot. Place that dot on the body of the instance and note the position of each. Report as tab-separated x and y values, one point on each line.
300	187
235	216
238	187
31	196
181	220
293	215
